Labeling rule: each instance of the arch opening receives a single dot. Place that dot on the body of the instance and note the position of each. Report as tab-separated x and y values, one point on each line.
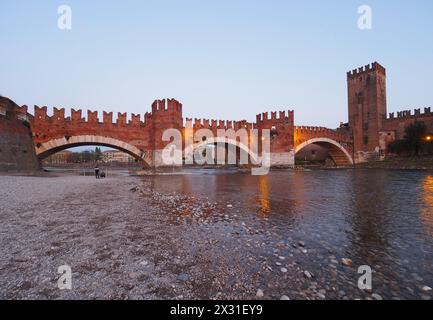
51	147
322	151
210	148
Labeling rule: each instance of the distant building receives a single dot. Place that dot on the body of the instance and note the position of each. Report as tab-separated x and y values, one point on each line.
61	157
117	156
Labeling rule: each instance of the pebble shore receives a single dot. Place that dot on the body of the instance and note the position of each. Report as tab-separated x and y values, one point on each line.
123	240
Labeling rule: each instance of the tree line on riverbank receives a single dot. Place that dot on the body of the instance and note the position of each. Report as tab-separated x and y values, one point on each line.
416	142
86	156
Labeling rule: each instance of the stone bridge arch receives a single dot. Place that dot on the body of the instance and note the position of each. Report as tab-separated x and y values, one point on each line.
48	148
253	158
337	152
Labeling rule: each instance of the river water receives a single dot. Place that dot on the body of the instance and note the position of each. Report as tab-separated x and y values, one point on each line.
379	218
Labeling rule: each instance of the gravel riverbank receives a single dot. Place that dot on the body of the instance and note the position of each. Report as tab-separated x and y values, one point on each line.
123	240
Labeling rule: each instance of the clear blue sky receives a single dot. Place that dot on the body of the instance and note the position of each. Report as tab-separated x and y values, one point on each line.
221	59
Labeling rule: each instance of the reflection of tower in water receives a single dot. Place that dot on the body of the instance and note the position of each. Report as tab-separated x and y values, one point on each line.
427	210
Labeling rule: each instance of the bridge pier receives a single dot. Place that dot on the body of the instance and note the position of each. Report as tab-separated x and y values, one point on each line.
283	159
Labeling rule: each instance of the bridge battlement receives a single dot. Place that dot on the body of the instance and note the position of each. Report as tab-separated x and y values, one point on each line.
166	105
262	121
407	114
375	66
275	118
219	124
158	107
303	133
58	117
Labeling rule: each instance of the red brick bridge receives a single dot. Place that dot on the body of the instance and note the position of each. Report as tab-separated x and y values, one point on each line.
366	136
141	137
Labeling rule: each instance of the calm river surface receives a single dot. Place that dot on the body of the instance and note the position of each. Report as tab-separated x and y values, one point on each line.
379	218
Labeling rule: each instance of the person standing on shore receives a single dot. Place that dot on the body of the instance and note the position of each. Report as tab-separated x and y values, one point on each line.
97	172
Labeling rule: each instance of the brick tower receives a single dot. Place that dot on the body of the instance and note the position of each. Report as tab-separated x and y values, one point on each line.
367	109
166	114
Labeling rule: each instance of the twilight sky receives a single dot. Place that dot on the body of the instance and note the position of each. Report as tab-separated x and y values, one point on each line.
221	59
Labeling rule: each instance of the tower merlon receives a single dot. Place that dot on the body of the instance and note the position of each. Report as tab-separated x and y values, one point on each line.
375	66
92	116
107	118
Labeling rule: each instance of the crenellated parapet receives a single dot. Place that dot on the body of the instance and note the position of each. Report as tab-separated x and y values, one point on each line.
135	120
76	116
58	117
121	119
281	125
219	124
40	113
52	127
407	114
107	118
396	122
305	133
369	68
281	117
166	105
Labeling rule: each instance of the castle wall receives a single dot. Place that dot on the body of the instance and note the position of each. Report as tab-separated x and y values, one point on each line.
394	126
397	122
17	151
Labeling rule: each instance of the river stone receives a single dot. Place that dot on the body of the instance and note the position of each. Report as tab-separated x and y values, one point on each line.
416	277
183	277
134	189
307	274
284	298
321	295
346	262
260	293
377	296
